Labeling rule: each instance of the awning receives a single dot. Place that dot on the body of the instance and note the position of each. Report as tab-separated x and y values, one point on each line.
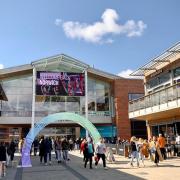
168	56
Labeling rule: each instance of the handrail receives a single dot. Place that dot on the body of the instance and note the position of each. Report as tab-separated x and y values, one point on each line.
156	98
155	92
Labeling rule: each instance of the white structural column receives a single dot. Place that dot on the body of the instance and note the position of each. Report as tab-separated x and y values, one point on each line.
33	98
86	99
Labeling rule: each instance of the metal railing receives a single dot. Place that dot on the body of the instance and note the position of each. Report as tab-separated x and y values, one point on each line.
157	98
45	113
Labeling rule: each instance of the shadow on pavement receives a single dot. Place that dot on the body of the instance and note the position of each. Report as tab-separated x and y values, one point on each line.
73	170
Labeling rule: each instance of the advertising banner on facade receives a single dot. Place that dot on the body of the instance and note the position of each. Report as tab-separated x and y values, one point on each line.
60	84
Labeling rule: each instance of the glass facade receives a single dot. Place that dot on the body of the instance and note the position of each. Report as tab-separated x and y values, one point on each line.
19	95
169	130
98	101
105	131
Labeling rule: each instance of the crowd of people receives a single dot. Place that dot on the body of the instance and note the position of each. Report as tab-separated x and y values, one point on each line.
138	149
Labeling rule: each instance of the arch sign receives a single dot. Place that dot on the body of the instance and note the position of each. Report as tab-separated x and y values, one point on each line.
85	123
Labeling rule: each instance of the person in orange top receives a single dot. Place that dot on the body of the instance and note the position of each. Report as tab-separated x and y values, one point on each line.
162	143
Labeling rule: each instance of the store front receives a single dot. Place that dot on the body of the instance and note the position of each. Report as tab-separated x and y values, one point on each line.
59	84
169	130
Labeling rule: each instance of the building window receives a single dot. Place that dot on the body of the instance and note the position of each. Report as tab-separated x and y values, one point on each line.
19	95
158	80
176	72
133	96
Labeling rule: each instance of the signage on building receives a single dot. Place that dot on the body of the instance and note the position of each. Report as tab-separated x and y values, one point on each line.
60	84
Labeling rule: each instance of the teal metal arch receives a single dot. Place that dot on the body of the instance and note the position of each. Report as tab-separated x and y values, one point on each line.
85	123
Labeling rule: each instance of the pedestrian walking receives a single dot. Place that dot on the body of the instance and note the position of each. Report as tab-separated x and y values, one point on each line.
88	152
48	149
134	151
12	150
155	151
82	148
162	143
42	150
36	146
59	150
100	153
140	148
65	149
2	160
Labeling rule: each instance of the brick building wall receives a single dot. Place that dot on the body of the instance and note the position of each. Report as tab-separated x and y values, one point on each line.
122	87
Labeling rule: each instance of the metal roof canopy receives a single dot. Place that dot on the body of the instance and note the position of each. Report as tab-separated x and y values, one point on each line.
161	60
72	62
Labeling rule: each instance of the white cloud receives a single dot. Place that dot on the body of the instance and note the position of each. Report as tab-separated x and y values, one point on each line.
1	66
98	31
58	22
126	74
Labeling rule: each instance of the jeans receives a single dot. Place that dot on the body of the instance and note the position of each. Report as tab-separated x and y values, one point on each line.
49	155
141	157
65	155
59	155
135	154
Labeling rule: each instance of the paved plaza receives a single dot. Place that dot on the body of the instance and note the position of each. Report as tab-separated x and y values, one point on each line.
74	170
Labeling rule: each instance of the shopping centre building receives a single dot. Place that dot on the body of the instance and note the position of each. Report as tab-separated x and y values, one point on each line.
160	106
64	84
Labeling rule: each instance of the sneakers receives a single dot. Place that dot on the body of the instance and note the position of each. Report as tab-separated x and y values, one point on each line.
45	164
95	167
105	168
131	164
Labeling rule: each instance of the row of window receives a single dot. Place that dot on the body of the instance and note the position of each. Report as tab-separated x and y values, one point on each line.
162	78
19	94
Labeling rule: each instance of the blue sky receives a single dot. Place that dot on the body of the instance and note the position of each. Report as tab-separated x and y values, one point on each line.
112	35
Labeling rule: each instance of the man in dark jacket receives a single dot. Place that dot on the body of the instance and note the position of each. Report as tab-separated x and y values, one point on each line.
48	149
35	145
12	149
42	149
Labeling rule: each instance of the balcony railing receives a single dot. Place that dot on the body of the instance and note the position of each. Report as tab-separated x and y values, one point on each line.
163	96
